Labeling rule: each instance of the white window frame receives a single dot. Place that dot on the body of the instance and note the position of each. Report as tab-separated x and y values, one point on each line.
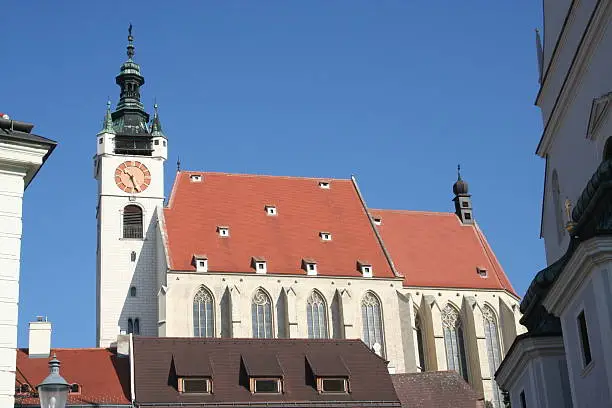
181	385
271	210
195	178
311	269
325	185
321	380
261	267
201	264
223	231
325	236
253	385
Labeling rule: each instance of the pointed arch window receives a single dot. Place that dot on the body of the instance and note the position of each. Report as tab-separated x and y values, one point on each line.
556	193
453	341
493	350
133	326
132	221
316	316
420	340
372	322
261	311
203	314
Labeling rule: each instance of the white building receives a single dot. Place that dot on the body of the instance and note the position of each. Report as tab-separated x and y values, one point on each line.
565	359
22	153
234	255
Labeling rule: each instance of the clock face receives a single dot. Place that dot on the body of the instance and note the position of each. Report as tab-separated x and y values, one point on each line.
132	177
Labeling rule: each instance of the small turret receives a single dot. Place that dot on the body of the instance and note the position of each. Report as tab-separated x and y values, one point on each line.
463	201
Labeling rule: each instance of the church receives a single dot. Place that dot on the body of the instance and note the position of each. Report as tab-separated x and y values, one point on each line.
257	256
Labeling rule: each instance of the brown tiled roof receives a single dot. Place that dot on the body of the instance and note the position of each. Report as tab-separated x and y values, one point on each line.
370	384
104	378
304	210
435	389
437	250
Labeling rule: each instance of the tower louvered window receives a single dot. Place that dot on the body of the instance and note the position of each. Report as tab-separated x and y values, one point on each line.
316	316
261	310
453	341
372	323
132	222
493	351
203	314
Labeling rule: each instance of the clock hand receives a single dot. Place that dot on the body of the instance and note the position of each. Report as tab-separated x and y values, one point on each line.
133	182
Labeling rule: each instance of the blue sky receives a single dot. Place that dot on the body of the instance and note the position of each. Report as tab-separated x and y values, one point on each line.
395	92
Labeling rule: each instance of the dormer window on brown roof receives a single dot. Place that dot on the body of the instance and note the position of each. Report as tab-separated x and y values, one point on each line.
264	372
330	373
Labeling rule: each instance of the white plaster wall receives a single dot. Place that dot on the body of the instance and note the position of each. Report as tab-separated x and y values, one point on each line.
542	380
572	154
398	306
17	161
558	68
554	15
592	383
11	193
116	272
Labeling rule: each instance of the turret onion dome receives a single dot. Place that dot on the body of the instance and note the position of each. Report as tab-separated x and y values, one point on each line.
460	187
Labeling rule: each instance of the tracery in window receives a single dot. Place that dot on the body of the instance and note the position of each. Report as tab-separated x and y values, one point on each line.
203	314
261	312
453	341
316	316
493	350
372	322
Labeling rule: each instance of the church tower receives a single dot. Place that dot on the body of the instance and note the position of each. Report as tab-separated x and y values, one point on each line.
129	168
463	200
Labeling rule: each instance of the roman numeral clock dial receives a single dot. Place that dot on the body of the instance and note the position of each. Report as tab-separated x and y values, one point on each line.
132	177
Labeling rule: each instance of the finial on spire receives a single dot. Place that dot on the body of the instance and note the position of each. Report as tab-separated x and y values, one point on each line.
130	47
458	172
178	163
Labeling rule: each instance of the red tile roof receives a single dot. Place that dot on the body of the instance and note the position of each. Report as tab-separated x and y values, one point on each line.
435	389
103	377
196	209
436	250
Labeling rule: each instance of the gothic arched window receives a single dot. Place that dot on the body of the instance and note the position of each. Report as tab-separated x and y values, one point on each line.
493	350
420	339
133	326
132	221
556	193
316	316
203	314
136	326
130	326
261	310
453	341
372	322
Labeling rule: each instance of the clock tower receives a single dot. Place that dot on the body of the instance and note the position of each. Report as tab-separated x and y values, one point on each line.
129	167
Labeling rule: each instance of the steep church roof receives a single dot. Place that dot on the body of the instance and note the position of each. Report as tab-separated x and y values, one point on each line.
428	249
304	209
437	250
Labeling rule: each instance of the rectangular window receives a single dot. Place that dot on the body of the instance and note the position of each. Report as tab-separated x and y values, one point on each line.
523	401
100	141
468	216
156	142
194	385
265	385
332	385
584	339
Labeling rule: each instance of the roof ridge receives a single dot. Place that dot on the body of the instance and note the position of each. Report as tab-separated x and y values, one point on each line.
422	212
221	173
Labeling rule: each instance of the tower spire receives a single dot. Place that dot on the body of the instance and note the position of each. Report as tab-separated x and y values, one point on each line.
156	127
107	123
130	117
463	200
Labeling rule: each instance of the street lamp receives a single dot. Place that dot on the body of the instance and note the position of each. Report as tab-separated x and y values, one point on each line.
53	391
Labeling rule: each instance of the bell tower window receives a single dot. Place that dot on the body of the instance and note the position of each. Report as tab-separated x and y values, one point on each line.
132	222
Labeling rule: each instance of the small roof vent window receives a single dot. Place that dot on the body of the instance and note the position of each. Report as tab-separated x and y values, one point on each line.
482	272
195	178
271	210
377	220
365	268
201	263
310	266
325	236
324	185
74	388
223	231
260	264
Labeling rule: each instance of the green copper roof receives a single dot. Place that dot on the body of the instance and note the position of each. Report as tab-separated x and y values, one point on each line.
156	127
107	123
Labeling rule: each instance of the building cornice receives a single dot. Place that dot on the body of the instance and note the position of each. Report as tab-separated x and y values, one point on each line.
525	349
587	256
591	36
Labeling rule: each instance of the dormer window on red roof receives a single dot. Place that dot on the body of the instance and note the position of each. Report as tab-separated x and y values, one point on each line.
223	231
310	265
325	236
271	210
195	178
324	185
259	264
365	268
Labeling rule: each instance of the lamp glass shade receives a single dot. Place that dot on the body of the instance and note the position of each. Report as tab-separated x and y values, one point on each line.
53	395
